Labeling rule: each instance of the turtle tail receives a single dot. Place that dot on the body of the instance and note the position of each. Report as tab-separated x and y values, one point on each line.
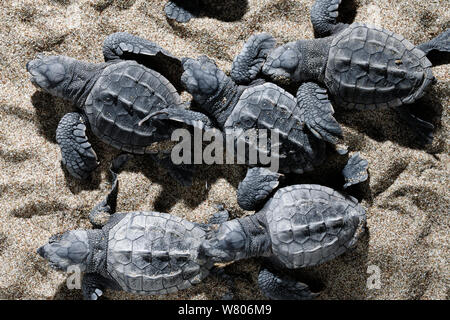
437	49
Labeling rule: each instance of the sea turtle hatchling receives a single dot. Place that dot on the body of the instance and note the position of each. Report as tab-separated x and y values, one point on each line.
113	99
362	66
238	109
299	226
139	252
157	253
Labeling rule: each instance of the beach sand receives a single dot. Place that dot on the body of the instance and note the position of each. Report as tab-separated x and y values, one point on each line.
406	197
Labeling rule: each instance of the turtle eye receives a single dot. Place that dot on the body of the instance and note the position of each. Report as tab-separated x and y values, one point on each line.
54	238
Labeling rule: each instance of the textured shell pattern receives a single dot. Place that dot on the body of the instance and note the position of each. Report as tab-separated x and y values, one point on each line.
311	224
155	253
369	67
270	107
123	95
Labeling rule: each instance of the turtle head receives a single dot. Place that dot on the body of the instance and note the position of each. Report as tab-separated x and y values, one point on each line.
68	249
49	73
63	76
282	63
227	244
202	78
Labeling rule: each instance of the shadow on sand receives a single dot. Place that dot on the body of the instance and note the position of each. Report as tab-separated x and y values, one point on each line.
227	11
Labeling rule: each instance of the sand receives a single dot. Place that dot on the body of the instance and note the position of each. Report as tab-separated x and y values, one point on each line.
406	197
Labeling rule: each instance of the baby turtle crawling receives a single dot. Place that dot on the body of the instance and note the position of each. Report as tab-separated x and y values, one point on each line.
238	109
299	226
361	65
114	98
157	253
139	252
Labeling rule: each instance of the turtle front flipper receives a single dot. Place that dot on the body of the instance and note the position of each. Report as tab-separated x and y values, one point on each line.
76	151
183	173
355	171
323	17
257	185
317	112
440	44
179	11
422	128
191	118
280	287
122	45
248	63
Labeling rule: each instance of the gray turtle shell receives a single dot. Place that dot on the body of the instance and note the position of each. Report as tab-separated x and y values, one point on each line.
270	107
369	67
155	253
311	224
123	95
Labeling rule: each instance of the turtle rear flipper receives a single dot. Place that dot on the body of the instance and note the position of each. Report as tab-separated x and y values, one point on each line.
280	287
317	112
100	214
122	45
323	17
77	154
355	171
422	128
178	11
182	173
437	46
248	63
